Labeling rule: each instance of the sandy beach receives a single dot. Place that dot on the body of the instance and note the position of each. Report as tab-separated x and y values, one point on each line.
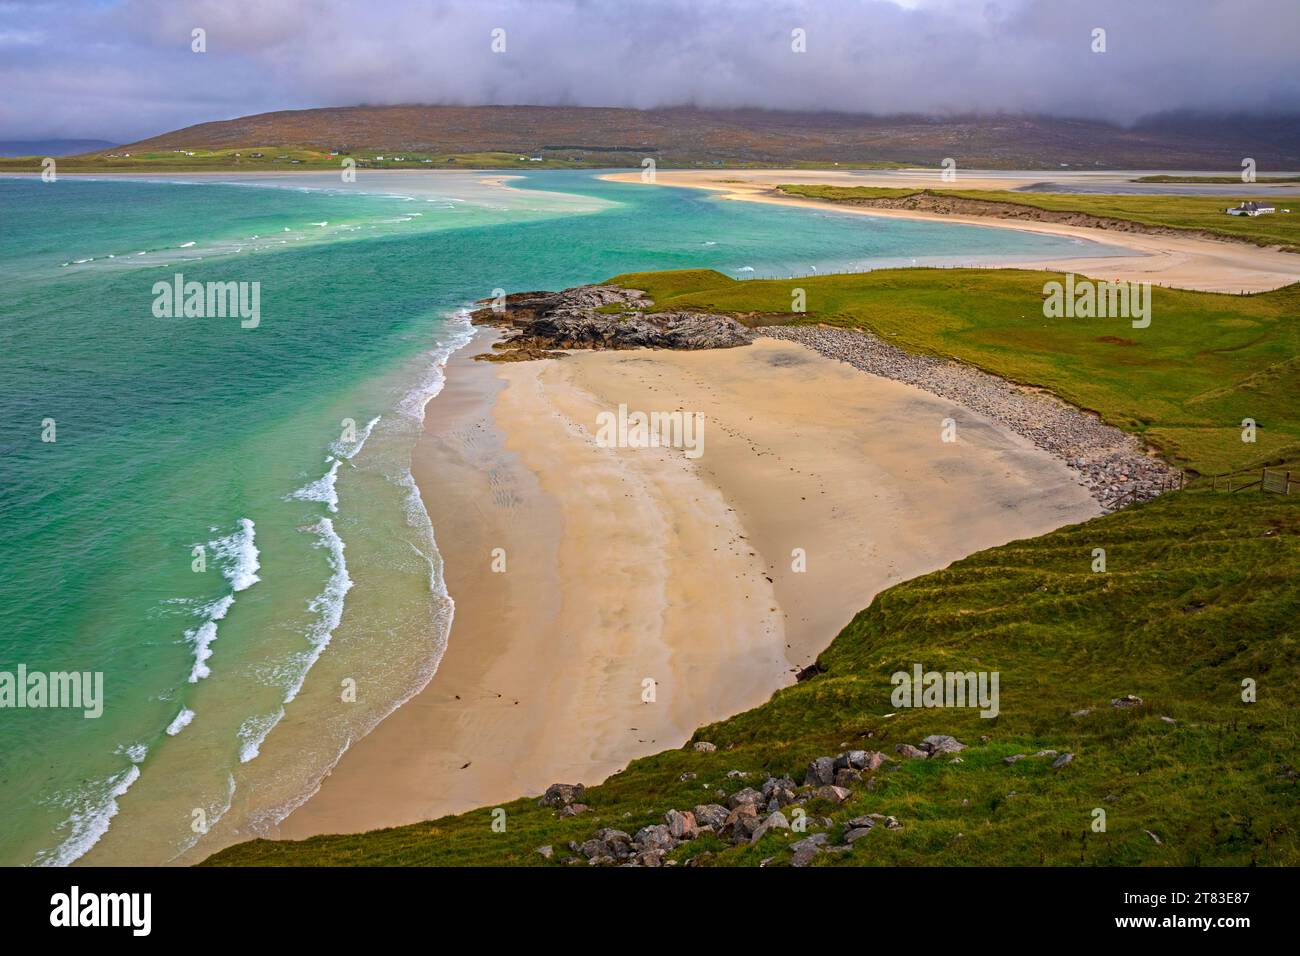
627	569
1185	263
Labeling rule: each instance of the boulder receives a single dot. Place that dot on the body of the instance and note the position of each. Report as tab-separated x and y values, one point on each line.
573	809
845	777
856	834
710	815
833	794
820	772
561	794
912	753
747	796
657	837
941	744
681	826
703	747
774	821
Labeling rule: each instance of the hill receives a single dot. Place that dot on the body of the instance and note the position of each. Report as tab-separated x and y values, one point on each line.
686	136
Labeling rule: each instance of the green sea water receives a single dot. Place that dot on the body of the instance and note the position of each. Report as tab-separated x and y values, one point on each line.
221	520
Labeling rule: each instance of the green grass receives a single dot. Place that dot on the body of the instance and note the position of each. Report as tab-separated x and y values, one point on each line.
1185	383
1189	213
1199	593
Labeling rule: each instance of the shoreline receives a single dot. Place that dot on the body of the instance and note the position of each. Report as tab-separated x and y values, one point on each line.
1201	264
628	565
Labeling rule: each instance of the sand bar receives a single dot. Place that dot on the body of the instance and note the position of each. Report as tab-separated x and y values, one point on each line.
1185	263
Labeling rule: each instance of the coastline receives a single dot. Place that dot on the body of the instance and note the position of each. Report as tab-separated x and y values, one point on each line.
624	565
1185	263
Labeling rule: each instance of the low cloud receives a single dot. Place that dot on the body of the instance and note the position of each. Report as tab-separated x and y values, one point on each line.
125	70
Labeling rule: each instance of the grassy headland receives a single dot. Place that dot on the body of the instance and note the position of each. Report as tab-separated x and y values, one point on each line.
1195	214
1199	594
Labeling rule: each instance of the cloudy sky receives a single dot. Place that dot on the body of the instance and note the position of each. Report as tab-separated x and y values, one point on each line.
124	69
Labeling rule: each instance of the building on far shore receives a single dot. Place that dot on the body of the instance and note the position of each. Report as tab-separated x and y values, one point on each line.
1251	209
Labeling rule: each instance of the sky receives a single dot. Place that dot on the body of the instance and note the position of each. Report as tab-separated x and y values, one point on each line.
123	70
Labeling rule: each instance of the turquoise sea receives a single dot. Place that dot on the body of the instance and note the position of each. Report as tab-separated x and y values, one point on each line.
224	524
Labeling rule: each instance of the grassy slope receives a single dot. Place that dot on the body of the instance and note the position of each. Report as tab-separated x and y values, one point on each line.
1192	213
1200	592
1185	383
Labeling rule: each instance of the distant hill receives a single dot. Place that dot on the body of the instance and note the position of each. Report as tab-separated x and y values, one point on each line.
688	136
52	147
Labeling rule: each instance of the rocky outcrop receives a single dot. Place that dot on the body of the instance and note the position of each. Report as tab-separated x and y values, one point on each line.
599	317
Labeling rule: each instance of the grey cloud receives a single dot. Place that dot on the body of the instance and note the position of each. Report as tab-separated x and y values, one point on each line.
125	70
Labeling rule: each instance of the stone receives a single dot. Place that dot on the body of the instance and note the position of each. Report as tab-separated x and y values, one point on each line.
656	837
845	777
703	747
683	778
1014	758
1128	700
681	826
874	759
749	795
710	815
820	772
1062	760
774	821
833	794
573	809
546	851
736	774
857	833
941	744
741	823
912	753
1046	753
561	794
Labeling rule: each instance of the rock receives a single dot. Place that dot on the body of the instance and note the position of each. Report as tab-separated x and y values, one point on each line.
710	815
1152	836
820	772
1082	713
747	796
912	753
615	843
561	794
857	833
741	823
736	774
1045	753
845	777
656	837
862	823
573	809
874	759
804	850
1062	760
833	794
941	744
1168	720
774	821
546	851
703	747
572	320
681	826
650	858
686	776
1128	700
1014	758
956	760
601	860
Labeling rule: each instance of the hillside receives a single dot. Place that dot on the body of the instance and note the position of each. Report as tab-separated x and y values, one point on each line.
1121	688
687	136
